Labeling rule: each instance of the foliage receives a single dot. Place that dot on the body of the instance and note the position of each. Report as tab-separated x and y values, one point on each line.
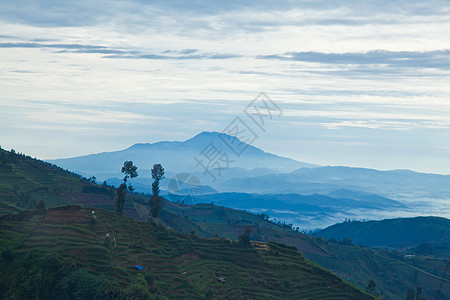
119	201
410	295
40	206
371	287
155	200
129	170
424	249
244	239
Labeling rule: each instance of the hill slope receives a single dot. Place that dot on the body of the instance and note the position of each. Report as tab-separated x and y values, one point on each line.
392	273
23	177
394	233
25	181
65	252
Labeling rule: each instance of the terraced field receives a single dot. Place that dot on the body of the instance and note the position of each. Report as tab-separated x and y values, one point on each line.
175	265
25	181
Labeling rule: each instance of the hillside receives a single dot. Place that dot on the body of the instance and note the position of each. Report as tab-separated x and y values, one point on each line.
25	181
69	252
393	273
31	177
393	233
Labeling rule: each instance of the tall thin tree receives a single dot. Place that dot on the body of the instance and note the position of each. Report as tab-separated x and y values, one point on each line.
155	200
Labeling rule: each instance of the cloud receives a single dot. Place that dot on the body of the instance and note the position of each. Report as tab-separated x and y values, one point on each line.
178	57
405	59
219	16
117	53
110	66
41	45
183	51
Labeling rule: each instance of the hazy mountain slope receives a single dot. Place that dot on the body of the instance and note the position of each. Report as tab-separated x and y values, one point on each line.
95	258
314	202
179	157
396	183
395	233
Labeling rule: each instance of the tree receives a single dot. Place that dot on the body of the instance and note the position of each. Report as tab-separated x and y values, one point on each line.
424	249
41	206
244	239
418	292
155	200
130	171
347	241
119	201
410	295
371	287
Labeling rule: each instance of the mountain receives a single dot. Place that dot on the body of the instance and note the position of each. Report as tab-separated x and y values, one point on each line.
297	202
396	184
180	157
393	233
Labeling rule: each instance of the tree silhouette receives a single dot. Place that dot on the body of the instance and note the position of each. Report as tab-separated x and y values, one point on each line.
418	292
410	295
244	239
130	171
41	206
155	200
371	287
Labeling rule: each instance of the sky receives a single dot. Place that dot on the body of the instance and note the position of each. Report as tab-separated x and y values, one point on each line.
359	83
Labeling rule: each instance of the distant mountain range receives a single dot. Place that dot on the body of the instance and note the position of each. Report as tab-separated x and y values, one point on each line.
255	171
304	194
398	184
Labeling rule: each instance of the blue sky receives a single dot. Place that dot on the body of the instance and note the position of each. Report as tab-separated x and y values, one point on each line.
360	83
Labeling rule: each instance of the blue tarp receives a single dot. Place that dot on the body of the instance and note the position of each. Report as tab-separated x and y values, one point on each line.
138	267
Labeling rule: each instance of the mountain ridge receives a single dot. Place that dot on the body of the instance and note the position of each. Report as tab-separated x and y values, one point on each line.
179	156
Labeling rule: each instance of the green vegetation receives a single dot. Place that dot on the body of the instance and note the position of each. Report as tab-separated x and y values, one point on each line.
62	254
130	171
393	275
24	182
